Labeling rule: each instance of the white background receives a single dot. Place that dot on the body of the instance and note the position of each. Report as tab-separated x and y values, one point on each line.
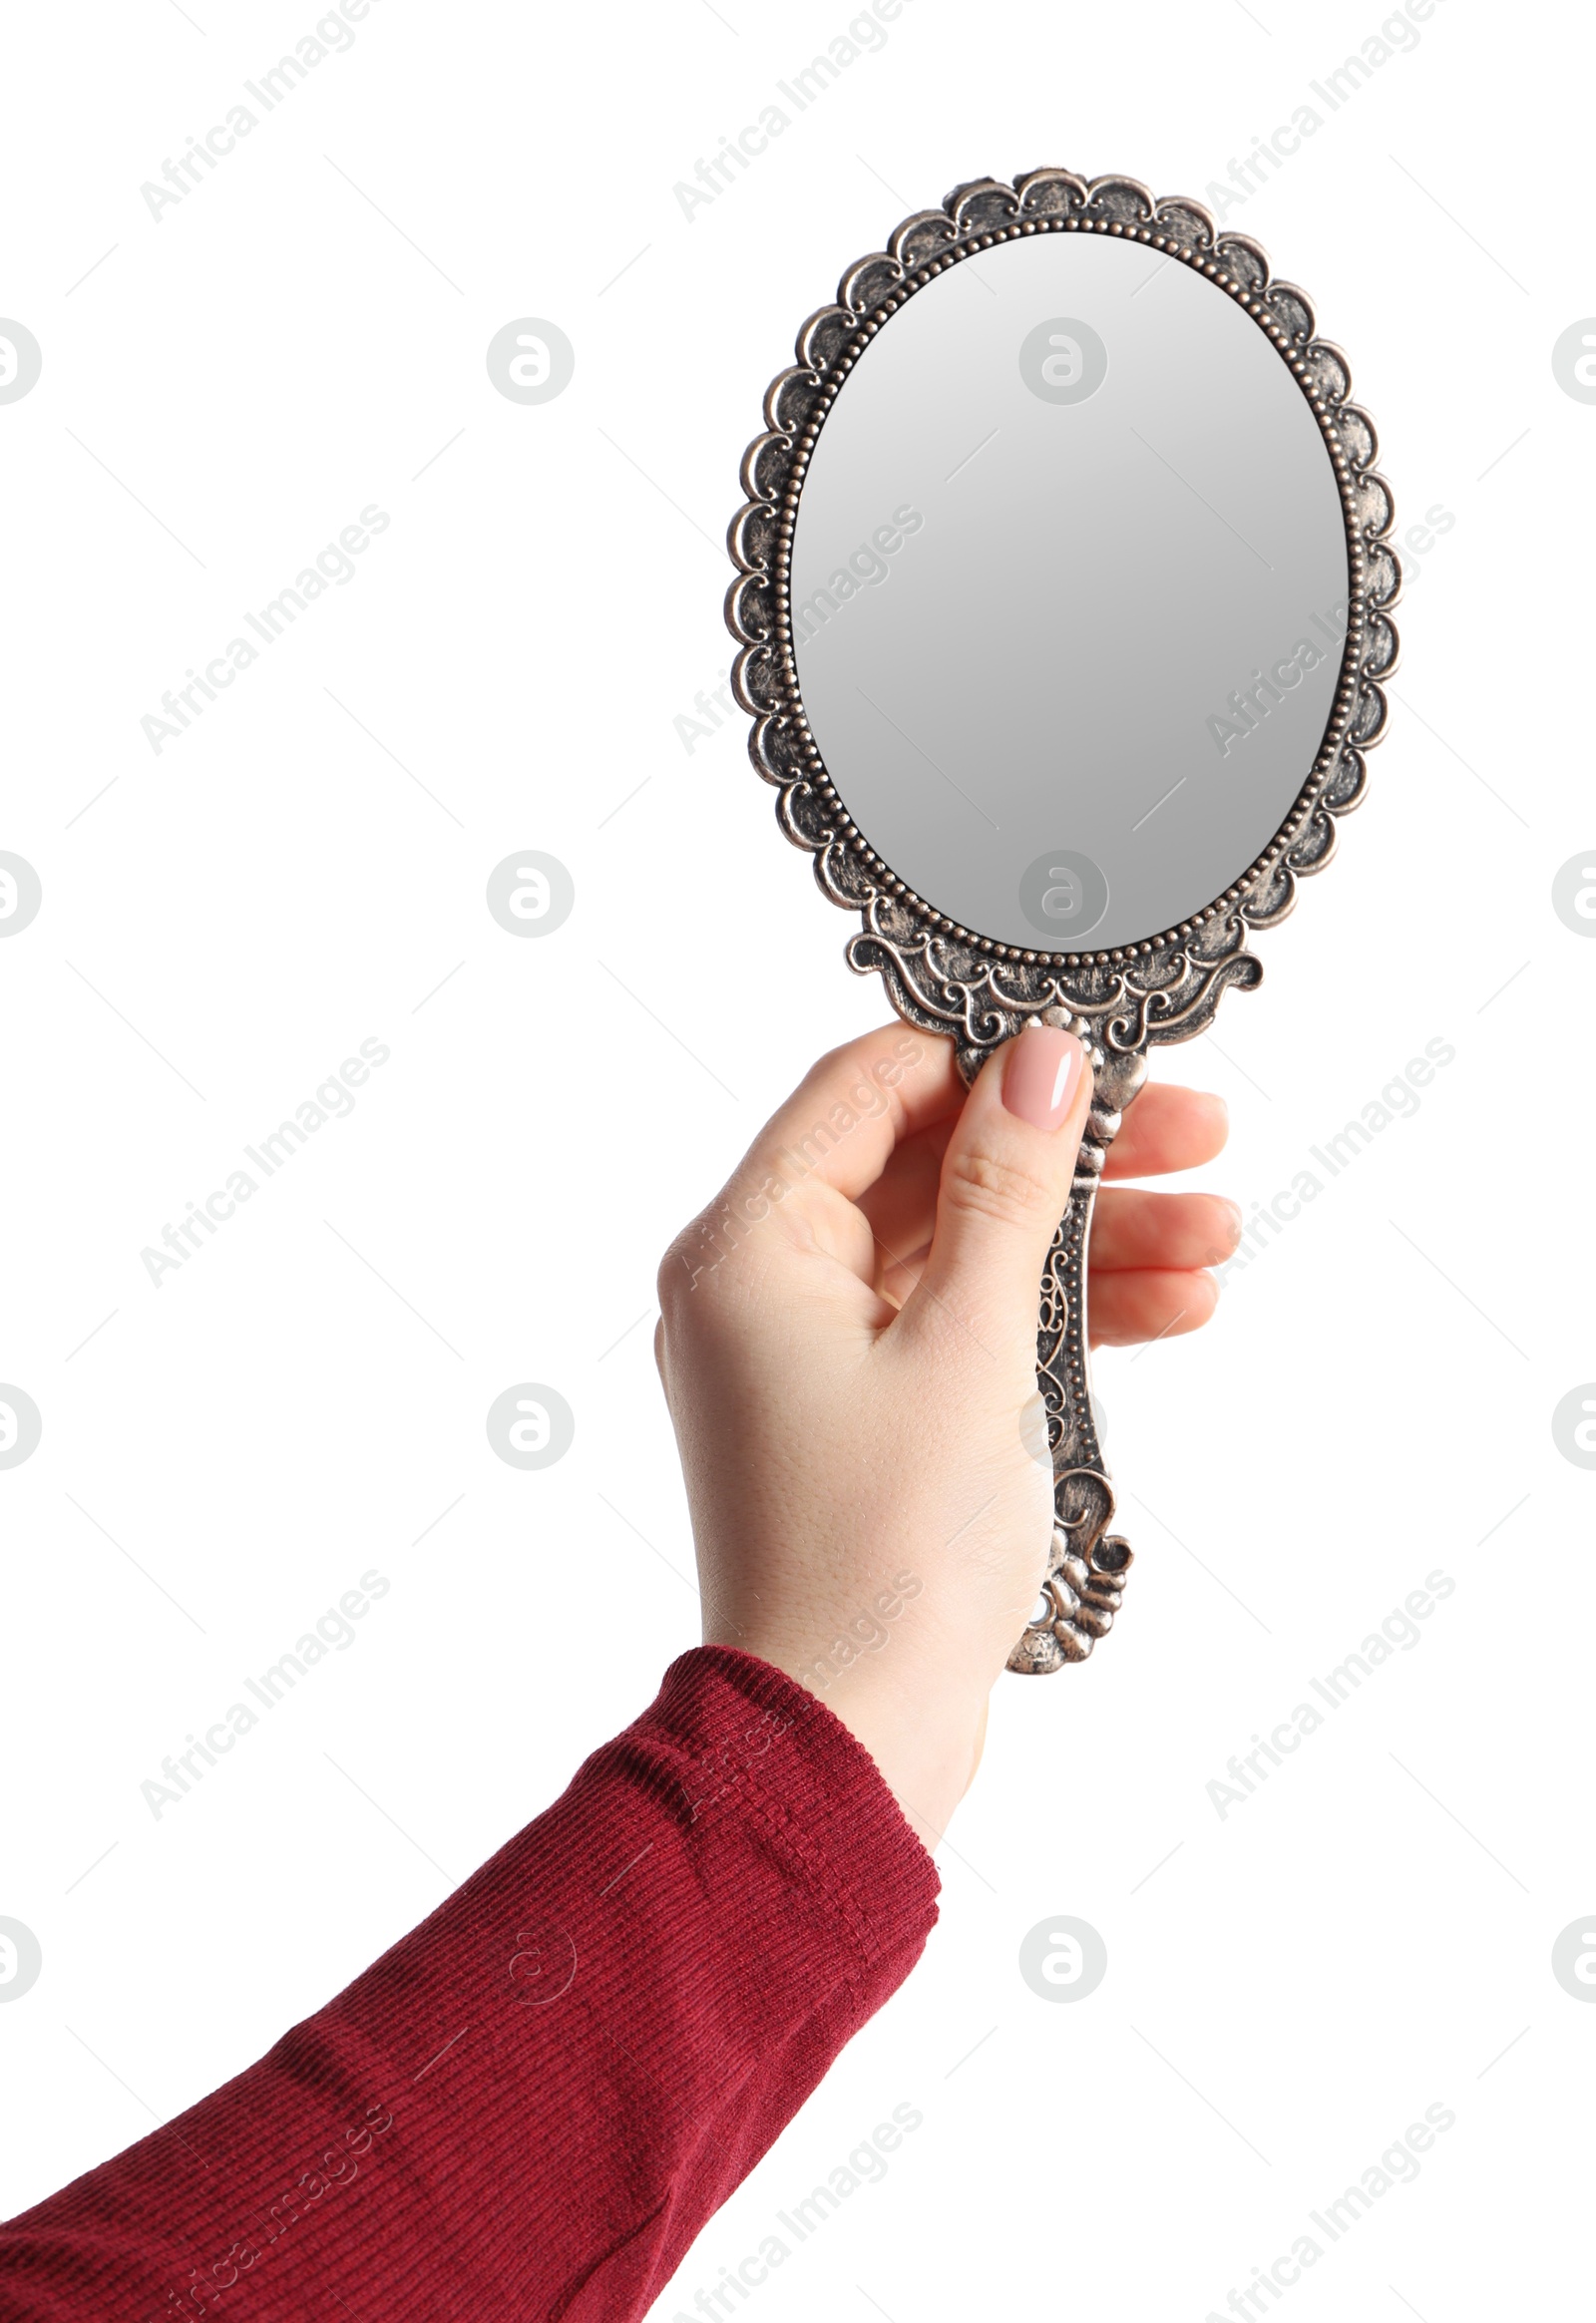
304	334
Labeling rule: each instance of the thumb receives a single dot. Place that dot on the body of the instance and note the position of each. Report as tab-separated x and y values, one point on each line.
1005	1179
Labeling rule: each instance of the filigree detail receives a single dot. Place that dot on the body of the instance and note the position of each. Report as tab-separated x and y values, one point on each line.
951	979
1087	1565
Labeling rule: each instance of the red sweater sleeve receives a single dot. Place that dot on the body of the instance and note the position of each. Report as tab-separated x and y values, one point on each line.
530	2105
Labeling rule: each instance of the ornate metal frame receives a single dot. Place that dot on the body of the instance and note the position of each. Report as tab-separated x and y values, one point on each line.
948	979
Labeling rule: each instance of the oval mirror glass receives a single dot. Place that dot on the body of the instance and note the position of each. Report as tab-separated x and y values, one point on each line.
1068	591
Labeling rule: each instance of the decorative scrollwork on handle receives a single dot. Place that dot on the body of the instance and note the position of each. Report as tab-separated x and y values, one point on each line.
1087	1564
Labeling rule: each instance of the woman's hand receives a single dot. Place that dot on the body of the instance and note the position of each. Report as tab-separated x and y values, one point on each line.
848	1341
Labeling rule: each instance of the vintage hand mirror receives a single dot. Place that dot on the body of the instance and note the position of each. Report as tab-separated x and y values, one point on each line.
1062	595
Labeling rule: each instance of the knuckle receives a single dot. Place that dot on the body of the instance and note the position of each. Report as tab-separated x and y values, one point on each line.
685	1271
695	1273
982	1185
672	1276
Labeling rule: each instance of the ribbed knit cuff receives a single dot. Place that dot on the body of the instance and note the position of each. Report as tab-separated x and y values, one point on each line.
810	1784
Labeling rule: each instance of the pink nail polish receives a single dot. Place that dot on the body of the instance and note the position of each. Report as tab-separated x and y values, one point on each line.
1040	1070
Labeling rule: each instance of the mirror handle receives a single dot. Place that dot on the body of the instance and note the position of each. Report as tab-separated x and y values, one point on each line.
1087	1564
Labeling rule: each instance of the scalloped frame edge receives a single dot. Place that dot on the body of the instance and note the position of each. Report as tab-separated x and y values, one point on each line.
940	975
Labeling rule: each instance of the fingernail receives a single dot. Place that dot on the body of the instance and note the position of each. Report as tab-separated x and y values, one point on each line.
1040	1072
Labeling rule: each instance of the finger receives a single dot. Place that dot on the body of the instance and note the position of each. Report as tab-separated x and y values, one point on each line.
851	1109
1122	1310
1006	1180
898	1273
1168	1129
1133	1229
902	1204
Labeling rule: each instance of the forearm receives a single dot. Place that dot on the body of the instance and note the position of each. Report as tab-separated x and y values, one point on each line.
532	2105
